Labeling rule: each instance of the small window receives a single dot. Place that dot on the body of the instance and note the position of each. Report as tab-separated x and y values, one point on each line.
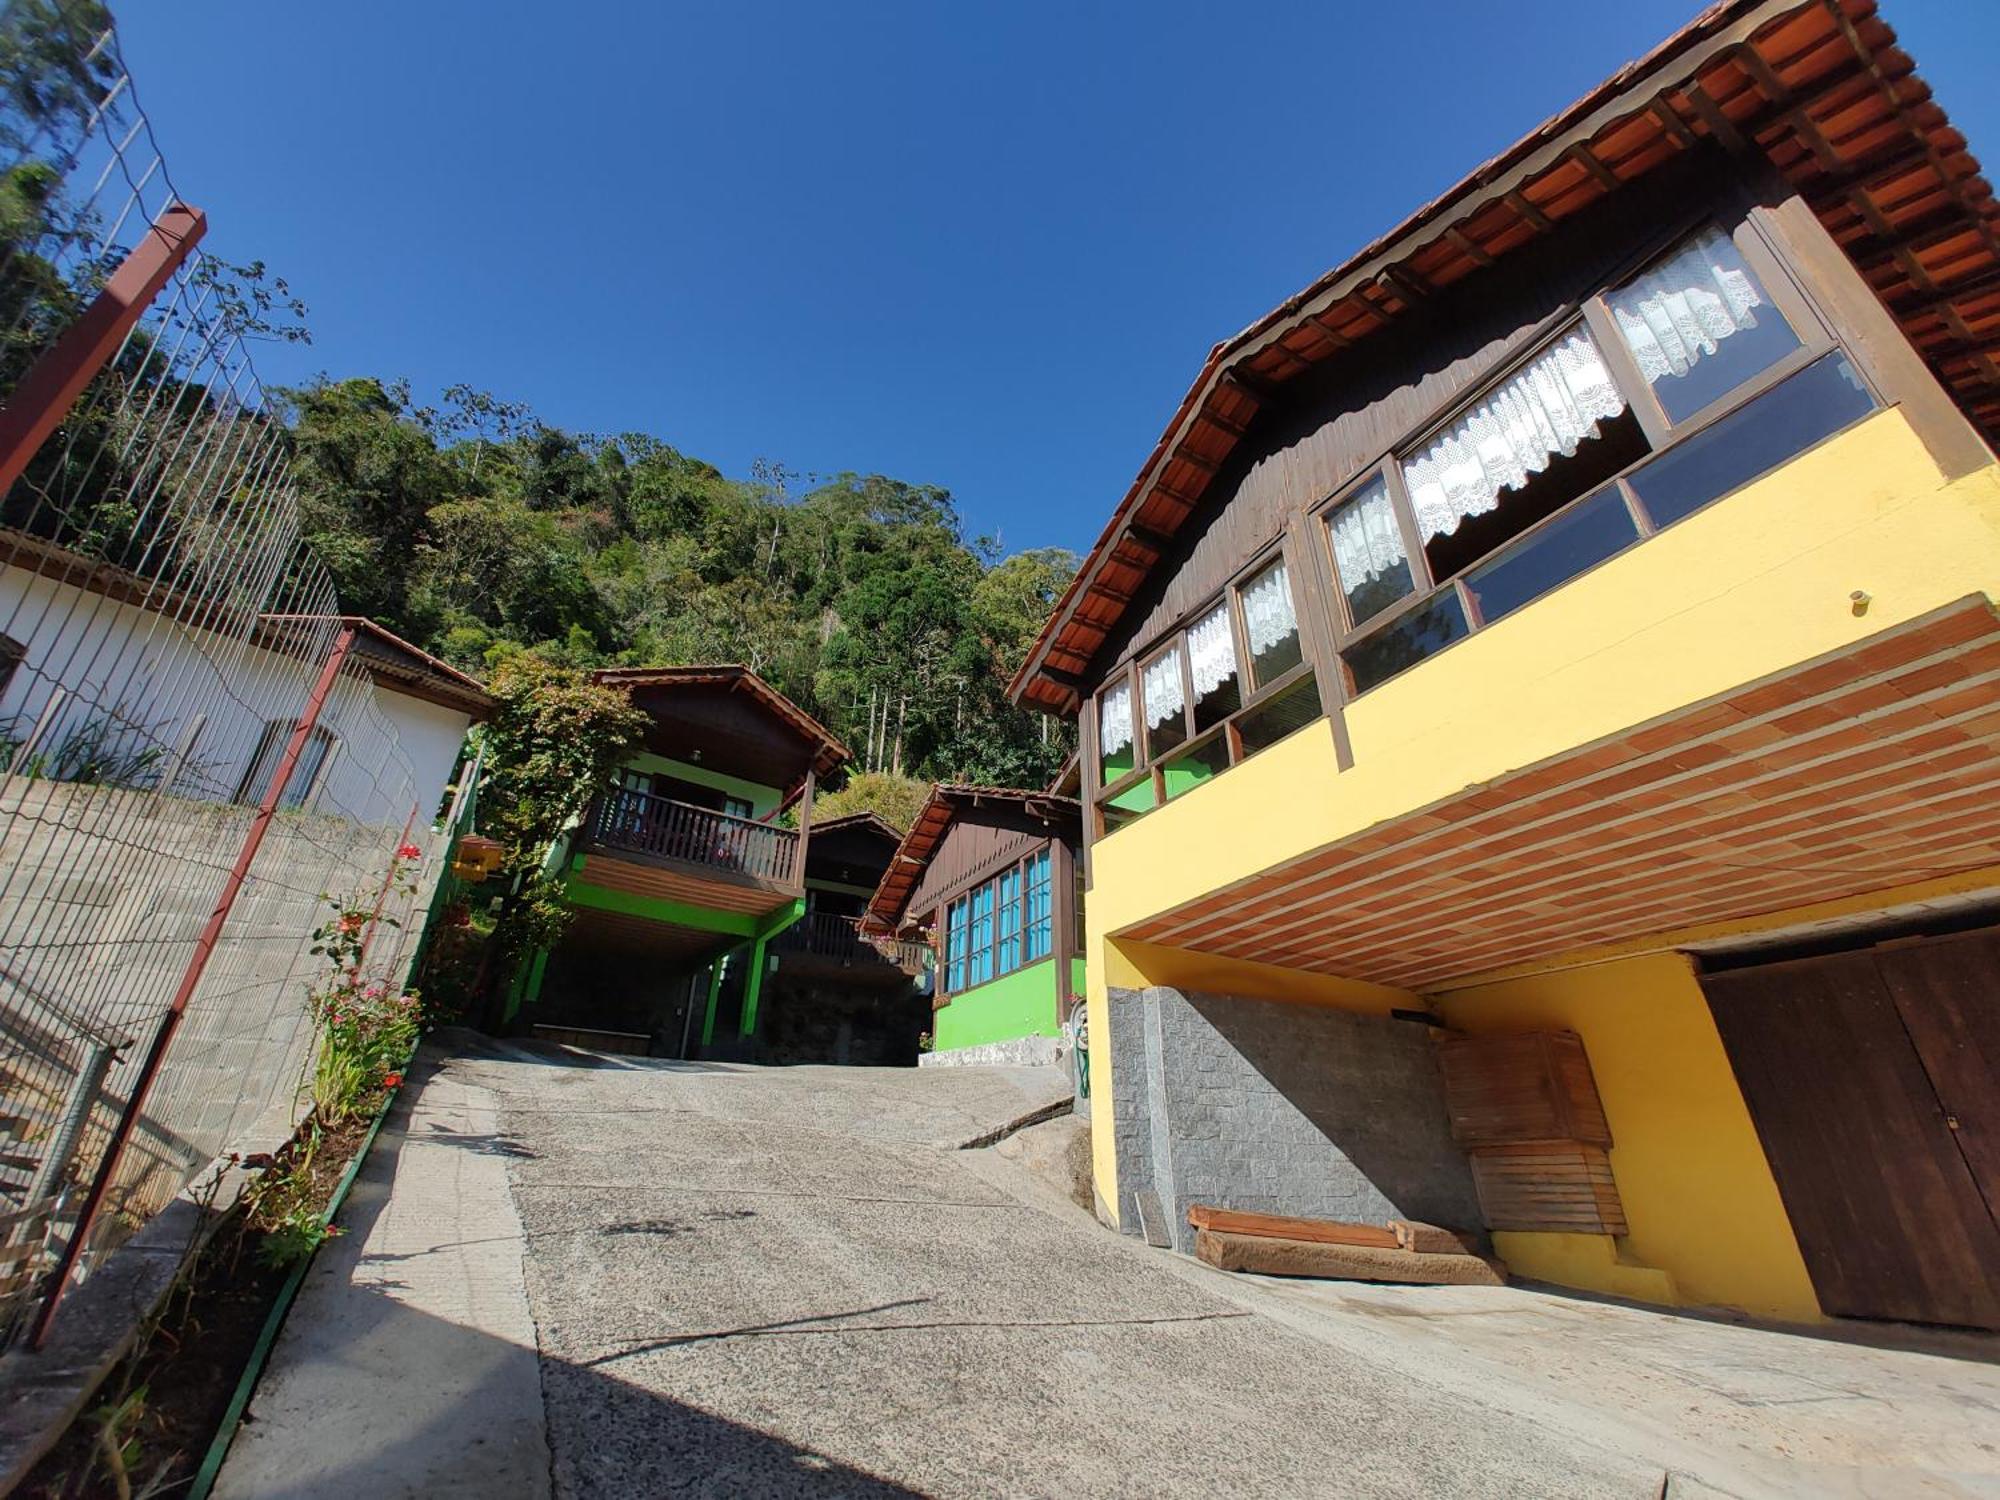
958	928
1407	640
735	807
1191	767
1699	324
270	751
1166	703
1272	625
1008	887
1579	538
1218	688
1040	909
1286	714
12	653
979	943
1114	731
1553	431
1815	403
1368	553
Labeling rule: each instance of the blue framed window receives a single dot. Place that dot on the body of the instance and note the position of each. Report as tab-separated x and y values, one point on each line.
1040	908
1008	895
956	927
979	955
1005	923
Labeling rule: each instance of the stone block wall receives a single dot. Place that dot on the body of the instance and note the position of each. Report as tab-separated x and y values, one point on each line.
1277	1108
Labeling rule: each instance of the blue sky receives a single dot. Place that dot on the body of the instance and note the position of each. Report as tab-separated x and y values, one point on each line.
982	247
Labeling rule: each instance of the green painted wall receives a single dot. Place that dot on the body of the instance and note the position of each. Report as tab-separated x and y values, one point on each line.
1076	980
761	798
1019	1004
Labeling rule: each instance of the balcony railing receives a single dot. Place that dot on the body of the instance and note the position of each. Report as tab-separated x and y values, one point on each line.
659	826
825	935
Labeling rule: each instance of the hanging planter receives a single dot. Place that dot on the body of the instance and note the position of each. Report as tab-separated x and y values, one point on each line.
476	857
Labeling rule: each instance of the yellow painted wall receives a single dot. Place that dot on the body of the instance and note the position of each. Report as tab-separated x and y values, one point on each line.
1754	584
1699	1197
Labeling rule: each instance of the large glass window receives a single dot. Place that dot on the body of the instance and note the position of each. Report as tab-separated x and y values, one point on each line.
1406	640
1552	554
1272	625
1815	403
1003	924
1368	553
1553	430
1699	323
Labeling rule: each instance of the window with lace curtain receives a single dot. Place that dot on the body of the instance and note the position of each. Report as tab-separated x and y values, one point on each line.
1207	696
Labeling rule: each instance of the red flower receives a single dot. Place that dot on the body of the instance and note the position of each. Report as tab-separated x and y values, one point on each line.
392	1080
409	851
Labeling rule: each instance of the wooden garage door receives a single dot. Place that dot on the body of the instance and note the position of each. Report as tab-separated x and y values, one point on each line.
1871	1079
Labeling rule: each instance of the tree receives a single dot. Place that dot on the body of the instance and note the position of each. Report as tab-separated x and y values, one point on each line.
898	799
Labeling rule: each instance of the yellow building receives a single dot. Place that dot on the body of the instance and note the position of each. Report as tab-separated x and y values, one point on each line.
1538	711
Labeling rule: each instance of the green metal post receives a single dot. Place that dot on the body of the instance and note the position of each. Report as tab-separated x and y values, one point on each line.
715	974
751	985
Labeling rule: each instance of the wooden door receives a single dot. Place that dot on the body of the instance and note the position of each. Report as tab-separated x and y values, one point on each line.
1889	1216
1947	992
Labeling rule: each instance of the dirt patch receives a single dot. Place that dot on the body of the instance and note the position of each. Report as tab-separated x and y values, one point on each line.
161	1409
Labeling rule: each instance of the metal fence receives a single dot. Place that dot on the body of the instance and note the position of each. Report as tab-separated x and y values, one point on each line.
190	759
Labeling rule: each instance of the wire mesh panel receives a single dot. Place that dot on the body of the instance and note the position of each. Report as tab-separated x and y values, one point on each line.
174	682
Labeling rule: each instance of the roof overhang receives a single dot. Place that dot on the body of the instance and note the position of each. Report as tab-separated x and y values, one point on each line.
946	804
826	751
1819	89
1870	768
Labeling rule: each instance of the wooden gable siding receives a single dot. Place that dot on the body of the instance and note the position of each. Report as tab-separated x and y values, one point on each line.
1325	434
848	856
971	852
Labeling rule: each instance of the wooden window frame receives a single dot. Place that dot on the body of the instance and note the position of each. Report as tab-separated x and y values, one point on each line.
1150	770
1816	337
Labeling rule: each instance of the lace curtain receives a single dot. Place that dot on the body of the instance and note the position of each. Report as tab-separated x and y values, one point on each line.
1686	305
1211	651
1161	683
1367	543
1267	610
1114	720
1547	407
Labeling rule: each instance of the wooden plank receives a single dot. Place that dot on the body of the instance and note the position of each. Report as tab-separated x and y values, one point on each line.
1281	1257
1888	1216
1521	1086
1430	1239
1547	1186
1284	1226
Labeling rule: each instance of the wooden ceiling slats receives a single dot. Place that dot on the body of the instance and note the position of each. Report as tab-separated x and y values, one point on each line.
1822	91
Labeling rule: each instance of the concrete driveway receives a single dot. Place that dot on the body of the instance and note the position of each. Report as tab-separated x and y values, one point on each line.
588	1276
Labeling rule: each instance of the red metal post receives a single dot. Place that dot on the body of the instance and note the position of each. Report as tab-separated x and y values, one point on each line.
382	896
211	933
50	388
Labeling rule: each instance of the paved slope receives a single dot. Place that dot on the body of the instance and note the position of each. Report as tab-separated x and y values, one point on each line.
774	1281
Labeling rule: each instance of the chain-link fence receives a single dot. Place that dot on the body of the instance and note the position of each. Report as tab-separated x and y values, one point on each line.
191	757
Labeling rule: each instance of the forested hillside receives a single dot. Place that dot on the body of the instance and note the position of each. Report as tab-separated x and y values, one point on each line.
476	530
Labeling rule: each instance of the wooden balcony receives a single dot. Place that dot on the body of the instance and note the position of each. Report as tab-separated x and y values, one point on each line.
826	941
656	846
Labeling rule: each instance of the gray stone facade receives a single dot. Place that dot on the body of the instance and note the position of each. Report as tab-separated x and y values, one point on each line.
1276	1108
